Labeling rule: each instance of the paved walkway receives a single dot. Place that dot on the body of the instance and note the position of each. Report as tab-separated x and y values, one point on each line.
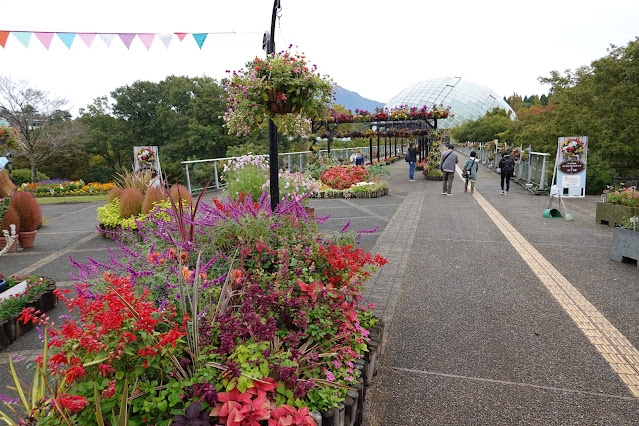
496	315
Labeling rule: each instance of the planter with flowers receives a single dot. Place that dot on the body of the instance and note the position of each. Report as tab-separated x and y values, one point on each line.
620	203
19	293
235	315
353	182
625	241
284	87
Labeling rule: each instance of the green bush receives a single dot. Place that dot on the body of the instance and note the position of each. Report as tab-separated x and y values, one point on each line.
20	176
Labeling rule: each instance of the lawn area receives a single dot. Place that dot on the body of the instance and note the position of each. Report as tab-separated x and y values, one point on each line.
71	199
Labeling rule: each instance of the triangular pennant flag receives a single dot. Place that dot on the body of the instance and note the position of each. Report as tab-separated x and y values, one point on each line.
147	40
199	38
45	39
126	38
67	39
4	35
87	38
107	38
23	37
181	35
166	39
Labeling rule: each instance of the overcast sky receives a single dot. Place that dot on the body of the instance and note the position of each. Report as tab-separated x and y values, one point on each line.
375	48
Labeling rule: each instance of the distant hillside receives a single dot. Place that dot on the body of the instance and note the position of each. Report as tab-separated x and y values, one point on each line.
351	100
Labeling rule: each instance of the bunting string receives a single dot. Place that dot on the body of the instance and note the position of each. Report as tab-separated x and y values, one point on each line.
67	38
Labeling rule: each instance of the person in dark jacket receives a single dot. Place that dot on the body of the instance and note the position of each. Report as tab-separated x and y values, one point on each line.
507	167
412	155
471	165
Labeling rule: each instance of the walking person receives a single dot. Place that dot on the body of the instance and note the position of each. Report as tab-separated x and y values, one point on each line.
411	157
449	159
470	166
507	167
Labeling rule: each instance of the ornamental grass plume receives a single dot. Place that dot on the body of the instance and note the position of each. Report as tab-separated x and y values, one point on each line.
131	200
28	209
113	194
154	196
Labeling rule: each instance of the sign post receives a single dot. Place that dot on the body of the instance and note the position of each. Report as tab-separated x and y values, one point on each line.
570	167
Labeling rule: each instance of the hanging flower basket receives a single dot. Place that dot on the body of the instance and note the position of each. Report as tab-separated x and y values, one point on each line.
283	87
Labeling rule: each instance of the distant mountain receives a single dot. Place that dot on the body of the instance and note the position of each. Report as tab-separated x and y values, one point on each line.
351	100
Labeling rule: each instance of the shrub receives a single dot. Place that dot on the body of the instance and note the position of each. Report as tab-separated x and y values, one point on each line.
10	217
179	191
114	193
28	209
131	200
20	176
154	195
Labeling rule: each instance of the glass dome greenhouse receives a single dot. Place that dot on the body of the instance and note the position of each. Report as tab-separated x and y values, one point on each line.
467	100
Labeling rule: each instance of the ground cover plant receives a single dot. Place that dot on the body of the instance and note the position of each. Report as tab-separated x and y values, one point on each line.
223	314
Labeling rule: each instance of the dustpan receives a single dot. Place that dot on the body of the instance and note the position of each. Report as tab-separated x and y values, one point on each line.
550	212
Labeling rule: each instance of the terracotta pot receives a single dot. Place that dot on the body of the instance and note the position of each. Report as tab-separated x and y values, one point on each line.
3	243
27	238
310	211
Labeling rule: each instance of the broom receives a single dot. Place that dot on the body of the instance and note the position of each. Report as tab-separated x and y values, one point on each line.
567	215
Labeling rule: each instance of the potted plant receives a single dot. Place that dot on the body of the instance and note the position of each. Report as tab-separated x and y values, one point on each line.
283	87
30	214
625	241
619	203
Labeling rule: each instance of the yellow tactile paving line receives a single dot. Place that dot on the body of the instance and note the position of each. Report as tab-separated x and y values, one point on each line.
622	356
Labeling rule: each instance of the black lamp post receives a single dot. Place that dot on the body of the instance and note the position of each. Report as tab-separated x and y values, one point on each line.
269	45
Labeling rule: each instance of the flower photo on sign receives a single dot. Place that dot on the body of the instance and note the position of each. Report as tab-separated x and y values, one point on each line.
145	156
572	148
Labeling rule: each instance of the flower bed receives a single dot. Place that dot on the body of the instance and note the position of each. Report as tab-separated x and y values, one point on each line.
58	188
353	182
224	312
38	294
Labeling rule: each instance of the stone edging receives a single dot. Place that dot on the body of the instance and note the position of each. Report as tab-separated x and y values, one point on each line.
349	194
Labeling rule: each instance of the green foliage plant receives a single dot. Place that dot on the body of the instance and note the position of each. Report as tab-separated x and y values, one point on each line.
20	176
131	200
246	175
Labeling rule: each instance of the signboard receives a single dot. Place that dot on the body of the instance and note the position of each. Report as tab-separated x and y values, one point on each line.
146	160
570	166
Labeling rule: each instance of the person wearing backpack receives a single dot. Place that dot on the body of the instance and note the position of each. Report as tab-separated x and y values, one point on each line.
411	158
469	172
507	167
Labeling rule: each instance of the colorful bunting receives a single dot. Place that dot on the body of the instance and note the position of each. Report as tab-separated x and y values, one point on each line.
23	37
199	39
4	35
45	39
147	40
127	39
67	38
88	38
107	38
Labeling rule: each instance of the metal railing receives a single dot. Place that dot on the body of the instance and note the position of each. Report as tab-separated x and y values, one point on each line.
198	172
533	172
